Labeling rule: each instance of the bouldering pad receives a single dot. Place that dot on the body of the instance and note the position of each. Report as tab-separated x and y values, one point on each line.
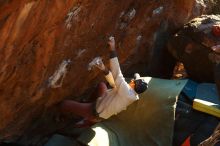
148	121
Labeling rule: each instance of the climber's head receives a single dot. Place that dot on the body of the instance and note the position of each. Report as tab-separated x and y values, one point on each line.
139	85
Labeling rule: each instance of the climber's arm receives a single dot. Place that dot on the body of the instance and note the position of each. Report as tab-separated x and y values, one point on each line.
114	63
107	73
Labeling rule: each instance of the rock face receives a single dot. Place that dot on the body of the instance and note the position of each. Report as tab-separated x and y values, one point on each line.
193	46
46	46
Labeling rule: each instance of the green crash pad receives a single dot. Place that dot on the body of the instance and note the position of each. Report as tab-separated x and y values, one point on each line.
60	140
146	122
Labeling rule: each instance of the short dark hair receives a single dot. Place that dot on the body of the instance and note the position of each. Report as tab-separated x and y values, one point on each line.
140	86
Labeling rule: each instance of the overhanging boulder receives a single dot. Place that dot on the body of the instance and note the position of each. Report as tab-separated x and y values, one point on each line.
46	46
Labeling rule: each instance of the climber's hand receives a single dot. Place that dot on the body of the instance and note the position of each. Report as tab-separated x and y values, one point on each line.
100	65
111	43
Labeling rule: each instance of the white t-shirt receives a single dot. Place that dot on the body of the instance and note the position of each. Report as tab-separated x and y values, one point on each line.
117	99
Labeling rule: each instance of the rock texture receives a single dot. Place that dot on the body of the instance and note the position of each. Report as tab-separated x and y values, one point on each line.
215	8
46	46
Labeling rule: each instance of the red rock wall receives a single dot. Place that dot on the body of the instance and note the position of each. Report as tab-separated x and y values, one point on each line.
46	46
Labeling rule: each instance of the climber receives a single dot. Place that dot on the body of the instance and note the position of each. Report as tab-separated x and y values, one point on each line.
109	101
